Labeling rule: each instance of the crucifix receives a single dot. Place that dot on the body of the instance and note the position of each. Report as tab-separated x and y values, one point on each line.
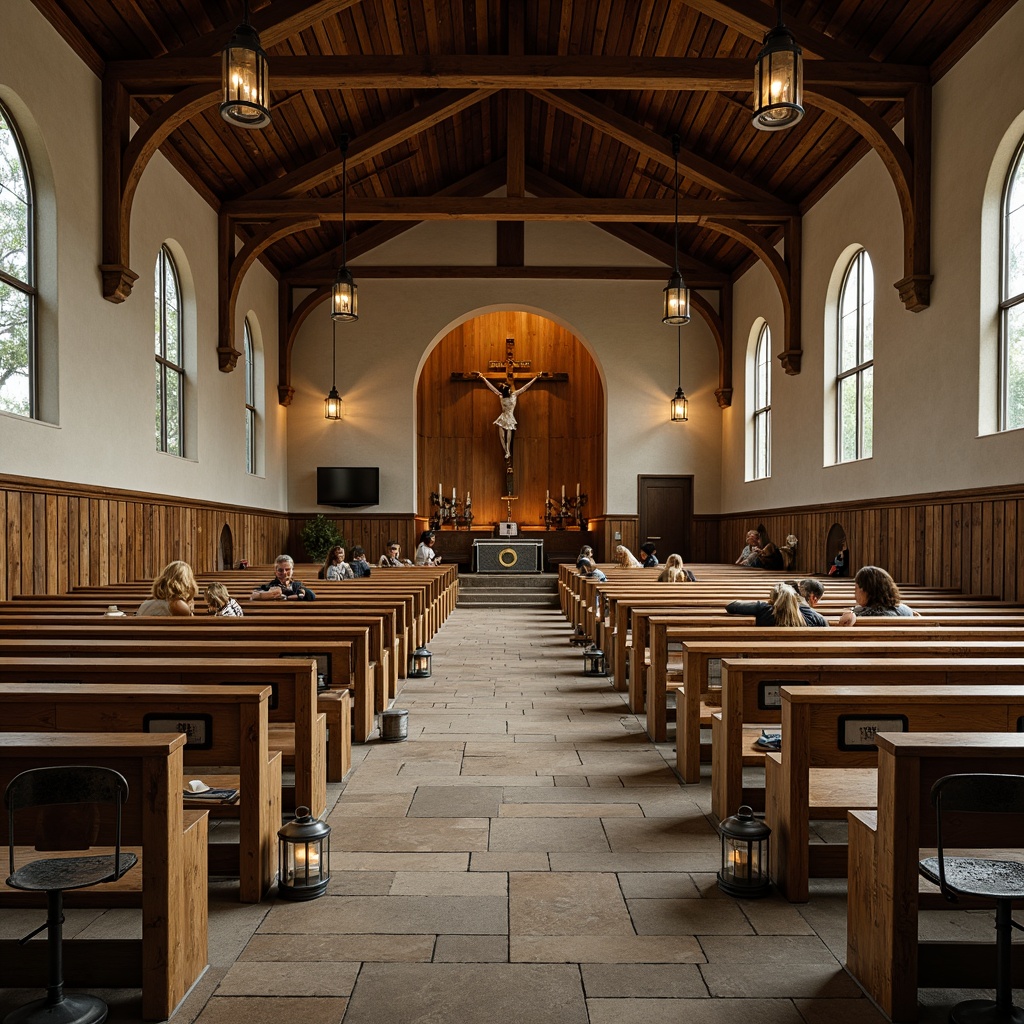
508	371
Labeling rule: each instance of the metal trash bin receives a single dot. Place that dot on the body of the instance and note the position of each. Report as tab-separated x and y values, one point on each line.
394	724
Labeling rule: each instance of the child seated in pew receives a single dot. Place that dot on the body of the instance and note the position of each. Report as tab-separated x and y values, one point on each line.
626	558
220	602
877	595
174	592
650	553
588	569
675	571
784	609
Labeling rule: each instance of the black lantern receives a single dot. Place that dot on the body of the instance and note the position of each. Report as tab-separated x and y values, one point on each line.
678	404
344	291
303	857
332	403
677	295
745	842
244	78
594	662
420	664
778	80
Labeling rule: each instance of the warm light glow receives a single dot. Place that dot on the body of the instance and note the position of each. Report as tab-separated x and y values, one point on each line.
333	408
679	407
677	301
245	80
778	81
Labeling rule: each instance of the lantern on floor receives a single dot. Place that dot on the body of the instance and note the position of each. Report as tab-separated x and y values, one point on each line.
594	662
303	857
420	664
745	842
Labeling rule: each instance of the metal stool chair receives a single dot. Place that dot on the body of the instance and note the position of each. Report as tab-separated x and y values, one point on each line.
67	803
999	880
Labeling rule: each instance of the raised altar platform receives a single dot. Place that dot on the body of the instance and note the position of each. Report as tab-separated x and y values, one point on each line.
508	554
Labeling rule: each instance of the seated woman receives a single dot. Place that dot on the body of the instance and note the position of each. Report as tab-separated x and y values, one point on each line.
392	557
675	571
784	609
626	558
220	602
174	592
425	552
335	567
876	594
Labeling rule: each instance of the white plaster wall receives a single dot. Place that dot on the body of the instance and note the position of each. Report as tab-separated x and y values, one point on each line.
104	432
380	356
926	364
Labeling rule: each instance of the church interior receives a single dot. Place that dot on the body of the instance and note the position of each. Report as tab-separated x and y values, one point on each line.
247	246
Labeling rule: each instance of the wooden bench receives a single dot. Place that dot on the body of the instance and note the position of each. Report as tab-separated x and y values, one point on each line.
751	700
827	763
883	952
169	883
236	734
297	729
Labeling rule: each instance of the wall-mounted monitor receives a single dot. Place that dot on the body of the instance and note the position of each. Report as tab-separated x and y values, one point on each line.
347	486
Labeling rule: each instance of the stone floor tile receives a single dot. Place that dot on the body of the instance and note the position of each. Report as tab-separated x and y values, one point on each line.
399	861
638	981
359	883
342	948
775	916
523	834
456	802
687	917
550	904
657	885
468	994
584	810
627	861
535	861
252	1010
605	949
693	1011
277	978
366	805
449	883
778	950
842	1011
410	835
471	949
747	980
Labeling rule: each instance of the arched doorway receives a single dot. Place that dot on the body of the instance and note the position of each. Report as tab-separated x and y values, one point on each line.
225	549
560	436
837	552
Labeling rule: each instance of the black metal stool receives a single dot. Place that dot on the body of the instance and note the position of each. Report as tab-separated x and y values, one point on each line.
999	880
67	801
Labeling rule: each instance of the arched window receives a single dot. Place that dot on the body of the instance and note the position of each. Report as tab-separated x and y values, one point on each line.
855	361
18	315
170	359
250	399
1011	300
762	422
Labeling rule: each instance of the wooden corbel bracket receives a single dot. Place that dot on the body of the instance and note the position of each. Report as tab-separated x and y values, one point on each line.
289	322
717	324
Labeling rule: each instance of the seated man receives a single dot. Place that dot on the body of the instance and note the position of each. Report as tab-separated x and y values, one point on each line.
360	566
650	555
392	557
752	550
283	587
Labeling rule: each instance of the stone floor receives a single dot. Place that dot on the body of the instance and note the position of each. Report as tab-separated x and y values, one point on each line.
528	853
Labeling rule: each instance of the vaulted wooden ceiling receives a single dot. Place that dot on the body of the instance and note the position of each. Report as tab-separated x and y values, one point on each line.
568	104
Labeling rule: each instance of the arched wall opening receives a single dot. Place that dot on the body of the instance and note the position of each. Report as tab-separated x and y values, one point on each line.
560	435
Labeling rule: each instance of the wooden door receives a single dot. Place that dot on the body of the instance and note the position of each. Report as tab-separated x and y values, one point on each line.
666	514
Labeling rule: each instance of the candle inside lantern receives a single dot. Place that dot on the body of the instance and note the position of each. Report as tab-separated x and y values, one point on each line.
300	857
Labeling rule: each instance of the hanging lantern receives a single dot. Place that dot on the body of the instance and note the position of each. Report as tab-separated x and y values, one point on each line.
745	842
677	295
344	296
244	78
333	409
679	407
303	857
594	662
778	80
420	664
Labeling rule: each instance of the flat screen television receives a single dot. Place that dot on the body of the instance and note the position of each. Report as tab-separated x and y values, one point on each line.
347	486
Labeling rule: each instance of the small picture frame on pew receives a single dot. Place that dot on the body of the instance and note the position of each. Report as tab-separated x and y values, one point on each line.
768	696
198	729
857	732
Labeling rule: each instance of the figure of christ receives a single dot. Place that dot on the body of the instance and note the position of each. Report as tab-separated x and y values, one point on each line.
506	422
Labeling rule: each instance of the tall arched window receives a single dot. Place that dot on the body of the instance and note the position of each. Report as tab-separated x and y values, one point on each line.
763	405
1011	300
17	275
170	359
855	361
250	399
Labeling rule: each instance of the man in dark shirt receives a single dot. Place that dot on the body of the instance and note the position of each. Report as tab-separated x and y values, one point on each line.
283	587
650	559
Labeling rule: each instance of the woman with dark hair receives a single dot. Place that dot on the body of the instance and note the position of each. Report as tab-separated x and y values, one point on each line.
877	595
425	552
335	567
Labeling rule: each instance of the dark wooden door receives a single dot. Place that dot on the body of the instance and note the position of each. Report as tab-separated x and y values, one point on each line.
666	514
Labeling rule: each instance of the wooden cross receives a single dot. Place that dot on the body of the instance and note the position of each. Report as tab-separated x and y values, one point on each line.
508	371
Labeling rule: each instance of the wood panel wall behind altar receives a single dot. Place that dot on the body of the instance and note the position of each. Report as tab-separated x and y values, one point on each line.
560	438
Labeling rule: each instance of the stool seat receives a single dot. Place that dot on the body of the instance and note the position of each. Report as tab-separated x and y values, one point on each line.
70	872
978	876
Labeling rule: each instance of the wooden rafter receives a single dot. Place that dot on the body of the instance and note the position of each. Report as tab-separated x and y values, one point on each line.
715	321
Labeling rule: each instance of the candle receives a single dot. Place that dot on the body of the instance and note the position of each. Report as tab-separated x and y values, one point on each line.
563	492
439	491
467	497
453	495
547	495
577	490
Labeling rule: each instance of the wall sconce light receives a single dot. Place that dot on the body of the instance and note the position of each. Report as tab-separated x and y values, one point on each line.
303	857
678	404
244	78
677	295
778	80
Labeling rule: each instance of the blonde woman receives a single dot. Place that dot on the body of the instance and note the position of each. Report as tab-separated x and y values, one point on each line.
626	558
784	609
220	602
673	570
174	592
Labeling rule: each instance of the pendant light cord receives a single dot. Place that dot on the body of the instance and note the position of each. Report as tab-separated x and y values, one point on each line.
675	156
344	200
679	358
334	354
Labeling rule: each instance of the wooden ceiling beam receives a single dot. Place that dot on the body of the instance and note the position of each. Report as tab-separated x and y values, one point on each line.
374	142
275	23
679	74
753	19
504	208
500	273
649	144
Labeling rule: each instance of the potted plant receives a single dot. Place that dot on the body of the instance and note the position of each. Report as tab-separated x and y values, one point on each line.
318	536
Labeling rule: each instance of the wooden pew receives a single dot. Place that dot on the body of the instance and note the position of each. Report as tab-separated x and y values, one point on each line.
883	953
827	763
169	883
750	697
296	728
236	718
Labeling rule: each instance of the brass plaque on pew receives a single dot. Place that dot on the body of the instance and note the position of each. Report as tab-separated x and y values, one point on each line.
768	696
198	729
857	732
